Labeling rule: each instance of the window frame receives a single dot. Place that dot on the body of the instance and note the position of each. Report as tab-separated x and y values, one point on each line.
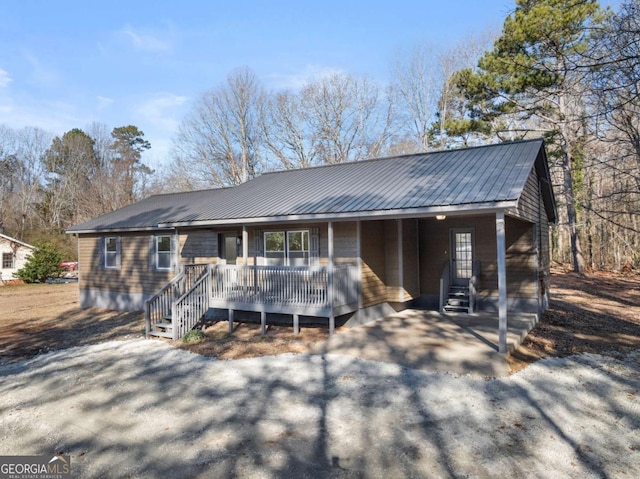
169	253
286	252
12	257
305	252
115	254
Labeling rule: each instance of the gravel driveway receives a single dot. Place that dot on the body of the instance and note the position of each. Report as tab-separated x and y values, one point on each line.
141	408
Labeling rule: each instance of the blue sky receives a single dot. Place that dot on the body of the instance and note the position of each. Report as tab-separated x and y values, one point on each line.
66	64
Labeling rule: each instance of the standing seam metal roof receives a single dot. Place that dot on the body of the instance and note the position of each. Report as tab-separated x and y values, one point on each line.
479	175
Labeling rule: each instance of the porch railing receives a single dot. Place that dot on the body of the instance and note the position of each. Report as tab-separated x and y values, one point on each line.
188	309
445	283
158	308
183	302
304	287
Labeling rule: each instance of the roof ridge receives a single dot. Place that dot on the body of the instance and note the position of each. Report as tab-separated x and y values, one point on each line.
405	155
188	191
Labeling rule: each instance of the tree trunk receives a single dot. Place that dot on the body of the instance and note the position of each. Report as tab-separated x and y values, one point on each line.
576	250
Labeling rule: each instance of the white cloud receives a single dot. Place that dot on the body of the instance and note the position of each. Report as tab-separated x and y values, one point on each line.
298	79
104	102
162	111
5	79
41	75
146	40
159	116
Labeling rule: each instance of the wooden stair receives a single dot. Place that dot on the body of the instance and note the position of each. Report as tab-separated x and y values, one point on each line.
163	329
458	300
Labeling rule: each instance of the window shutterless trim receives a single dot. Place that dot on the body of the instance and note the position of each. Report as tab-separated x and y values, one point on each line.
164	252
114	254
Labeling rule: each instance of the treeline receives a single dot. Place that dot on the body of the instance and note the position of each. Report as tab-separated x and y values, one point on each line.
50	183
567	70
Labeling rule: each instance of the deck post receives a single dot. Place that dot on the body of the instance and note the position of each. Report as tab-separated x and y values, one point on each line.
263	322
230	321
330	291
296	324
502	283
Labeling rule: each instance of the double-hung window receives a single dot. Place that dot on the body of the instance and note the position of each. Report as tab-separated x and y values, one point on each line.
111	252
163	252
287	247
298	248
8	261
274	250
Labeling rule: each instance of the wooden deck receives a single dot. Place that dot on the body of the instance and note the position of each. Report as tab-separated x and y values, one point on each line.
307	291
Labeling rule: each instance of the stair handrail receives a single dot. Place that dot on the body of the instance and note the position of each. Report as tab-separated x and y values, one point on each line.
202	287
445	279
163	306
473	284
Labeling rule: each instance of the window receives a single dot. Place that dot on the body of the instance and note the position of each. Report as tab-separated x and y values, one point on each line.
298	248
163	252
294	251
111	252
8	261
274	247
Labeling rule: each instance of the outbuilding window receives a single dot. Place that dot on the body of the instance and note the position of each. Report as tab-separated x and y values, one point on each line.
8	261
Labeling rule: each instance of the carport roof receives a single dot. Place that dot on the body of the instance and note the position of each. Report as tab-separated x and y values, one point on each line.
479	178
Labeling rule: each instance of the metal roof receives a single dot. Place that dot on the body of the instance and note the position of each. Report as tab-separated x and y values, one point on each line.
486	176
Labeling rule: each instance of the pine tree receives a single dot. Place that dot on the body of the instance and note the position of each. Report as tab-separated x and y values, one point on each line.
535	75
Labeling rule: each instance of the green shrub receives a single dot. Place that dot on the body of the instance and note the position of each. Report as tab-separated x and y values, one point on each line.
193	336
42	264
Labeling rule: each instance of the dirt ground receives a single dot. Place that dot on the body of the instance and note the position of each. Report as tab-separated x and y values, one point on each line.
37	318
598	313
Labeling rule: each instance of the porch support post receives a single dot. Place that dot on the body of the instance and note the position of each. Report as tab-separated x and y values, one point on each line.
330	292
263	322
230	321
359	260
296	324
245	245
400	264
502	283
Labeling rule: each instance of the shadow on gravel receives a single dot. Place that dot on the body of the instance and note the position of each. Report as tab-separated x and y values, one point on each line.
158	412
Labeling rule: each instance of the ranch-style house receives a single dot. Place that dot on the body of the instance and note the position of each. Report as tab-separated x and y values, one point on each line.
457	231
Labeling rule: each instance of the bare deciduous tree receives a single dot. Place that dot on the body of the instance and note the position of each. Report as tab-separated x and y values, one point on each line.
220	141
349	118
